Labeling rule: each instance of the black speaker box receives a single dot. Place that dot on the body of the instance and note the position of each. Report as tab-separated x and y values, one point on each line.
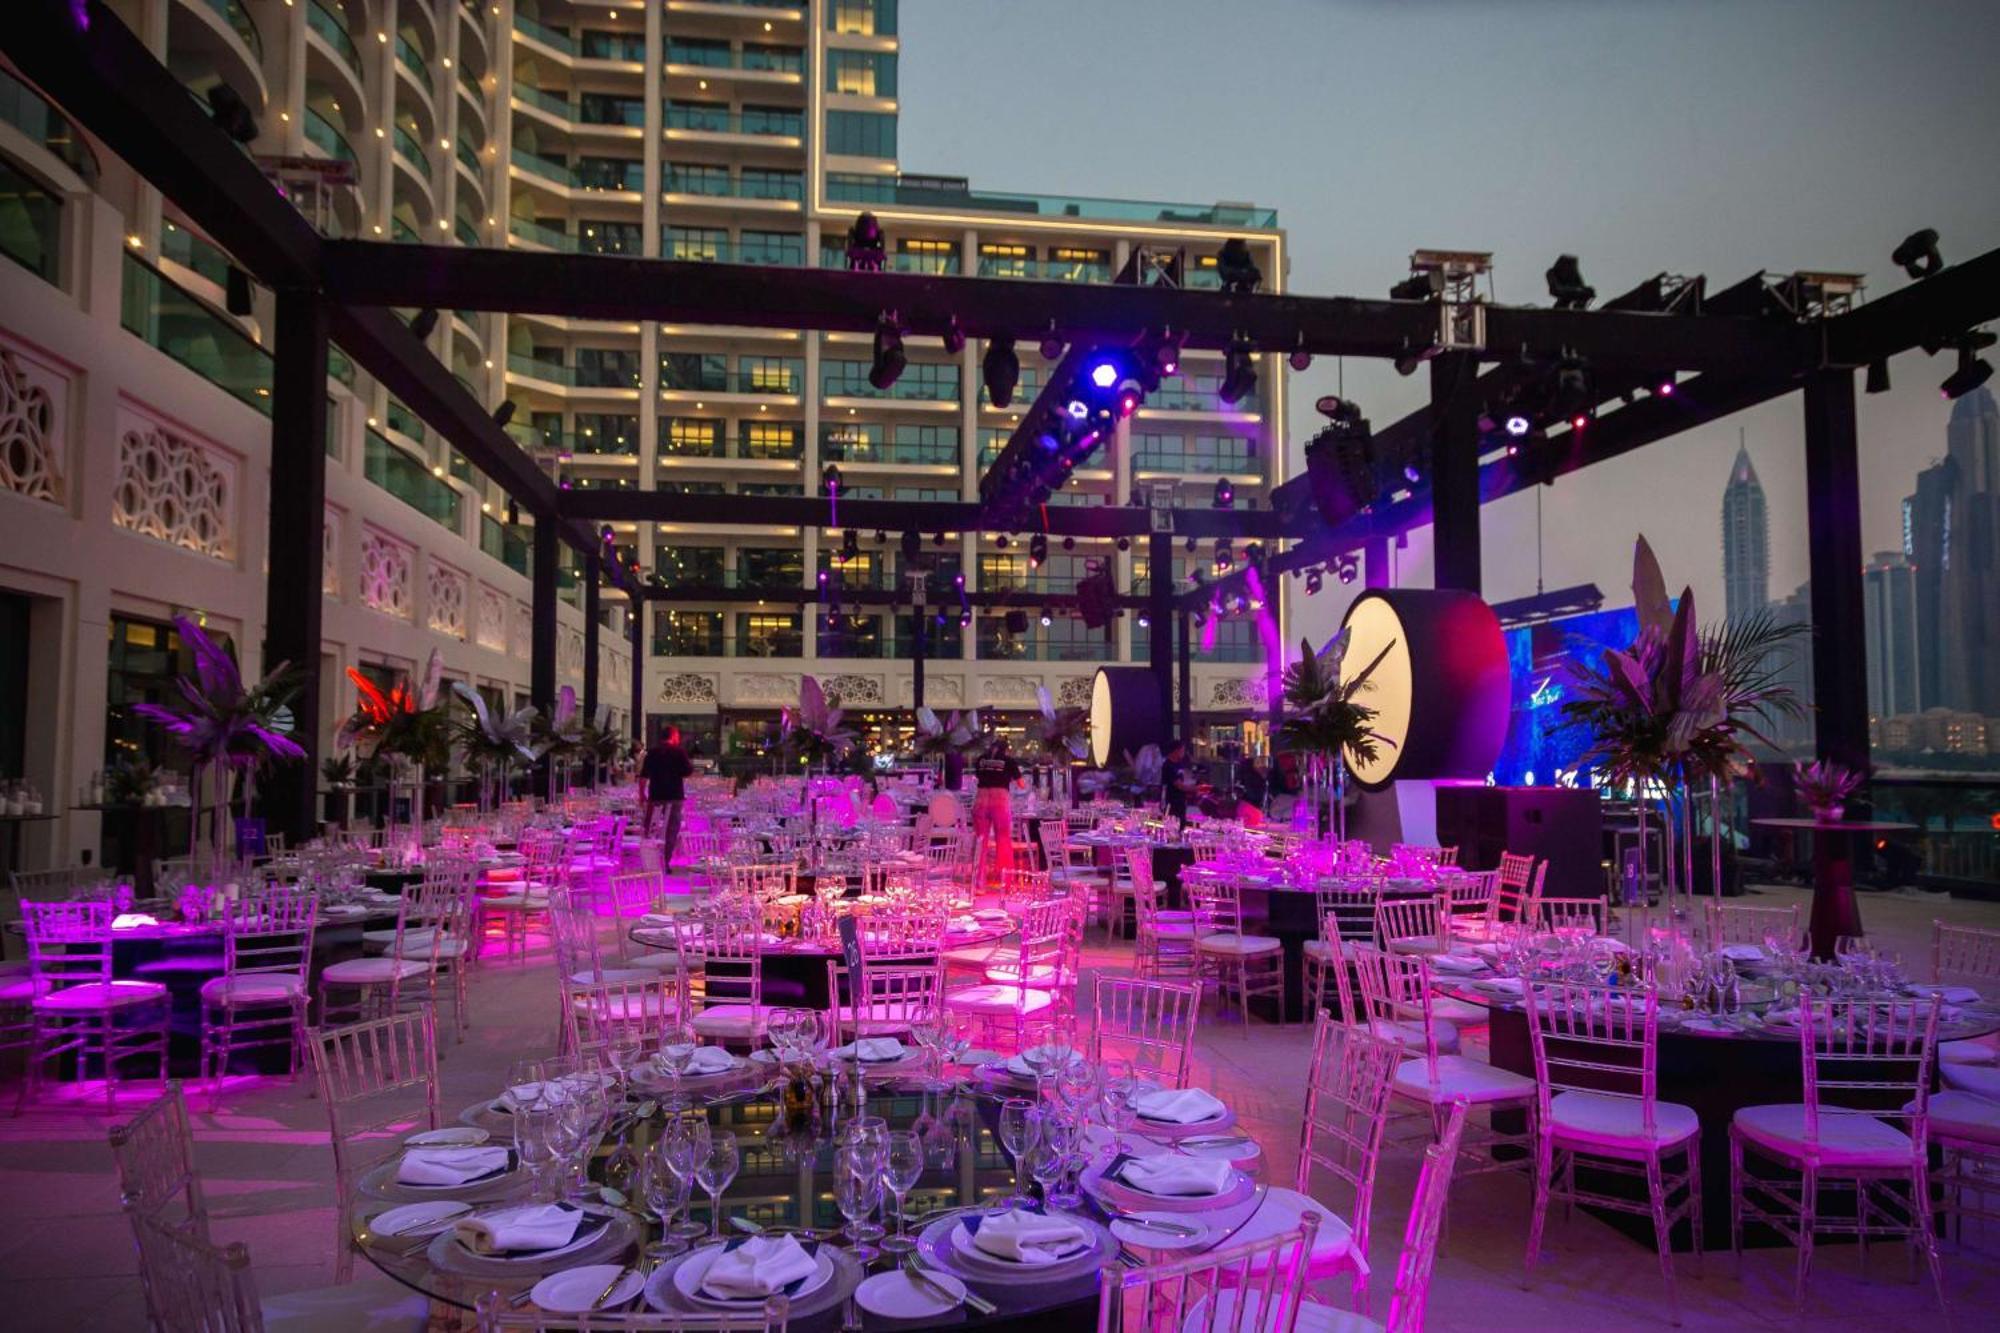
1561	825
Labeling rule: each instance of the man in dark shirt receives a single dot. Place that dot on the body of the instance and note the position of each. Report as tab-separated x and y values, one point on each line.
1175	782
665	774
992	809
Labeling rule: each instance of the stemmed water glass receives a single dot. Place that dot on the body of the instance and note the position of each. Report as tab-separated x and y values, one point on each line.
533	1119
857	1192
927	1030
1016	1136
1118	1089
713	1170
678	1042
685	1144
901	1169
1054	1138
665	1191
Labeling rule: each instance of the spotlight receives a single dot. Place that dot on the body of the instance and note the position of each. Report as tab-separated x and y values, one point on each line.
1347	569
231	114
1052	343
1224	557
1412	473
1167	356
1973	371
1038	551
829	479
1665	389
866	250
965	620
939	541
1918	254
1238	271
1253	553
605	534
887	365
1416	287
880	536
1078	409
1047	619
503	413
954	337
1878	377
1193	545
1145	621
1566	285
1314	582
1000	542
1579	421
1239	371
1301	359
1001	369
1104	374
425	320
1225	493
1518	425
850	545
1124	543
1069	543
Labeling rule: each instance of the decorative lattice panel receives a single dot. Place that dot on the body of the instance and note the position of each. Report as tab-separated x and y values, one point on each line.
490	629
687	687
444	595
329	554
387	575
174	489
31	444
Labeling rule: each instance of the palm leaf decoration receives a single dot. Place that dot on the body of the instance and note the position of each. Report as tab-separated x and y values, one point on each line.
407	721
1060	734
812	731
1323	715
490	738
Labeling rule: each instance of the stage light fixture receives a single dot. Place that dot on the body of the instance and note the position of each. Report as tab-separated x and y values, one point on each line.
1416	287
850	545
1566	285
423	322
1069	543
1239	371
1301	359
1918	254
1878	377
1123	543
938	540
1236	268
513	512
866	250
880	536
1038	551
965	620
888	362
1314	582
1104	374
954	337
1665	388
1518	425
1052	344
1193	545
1167	355
829	479
1047	619
1145	621
1224	556
605	534
1225	493
1001	542
1001	369
1348	569
1579	421
1973	371
503	413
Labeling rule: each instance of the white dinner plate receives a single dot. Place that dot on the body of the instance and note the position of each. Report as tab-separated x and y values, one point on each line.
575	1290
450	1136
1145	1238
896	1296
416	1216
963	1244
590	1229
688	1276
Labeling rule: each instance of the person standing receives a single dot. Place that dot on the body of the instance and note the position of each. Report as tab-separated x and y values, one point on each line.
665	772
1175	781
992	808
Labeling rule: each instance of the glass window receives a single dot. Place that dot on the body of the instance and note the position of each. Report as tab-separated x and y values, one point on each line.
862	570
771	439
695	243
866	17
609	173
922	256
1068	639
925	380
695	178
998	573
925	444
1068	263
694	370
607	367
998	643
707	51
771	247
696	437
711	116
770	567
145	658
606	433
929	493
782	59
770	374
850	634
771	488
862	73
771	183
687	565
607	109
762	634
861	133
610	238
1005	261
678	633
597	44
546	428
773	120
851	442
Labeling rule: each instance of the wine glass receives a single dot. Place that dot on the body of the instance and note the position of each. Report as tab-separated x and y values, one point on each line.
857	1192
532	1145
1050	1158
901	1170
624	1048
1015	1128
714	1170
1117	1091
927	1030
678	1042
685	1142
1076	1087
665	1192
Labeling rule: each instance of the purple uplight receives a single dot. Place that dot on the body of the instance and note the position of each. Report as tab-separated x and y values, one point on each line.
1666	389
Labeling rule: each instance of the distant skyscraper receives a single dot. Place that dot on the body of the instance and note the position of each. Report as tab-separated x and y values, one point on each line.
1952	536
1746	554
1889	607
1792	665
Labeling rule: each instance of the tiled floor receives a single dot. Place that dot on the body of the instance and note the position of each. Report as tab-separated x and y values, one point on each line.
66	1259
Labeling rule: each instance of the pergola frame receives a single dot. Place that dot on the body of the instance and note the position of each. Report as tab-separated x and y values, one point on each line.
105	79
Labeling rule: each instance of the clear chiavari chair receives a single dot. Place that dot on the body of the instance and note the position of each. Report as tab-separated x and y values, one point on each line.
1746	923
890	995
1254	1287
355	989
1864	1125
372	1076
1242	965
1149	1022
1410	925
599	1013
261	998
154	1153
1965	1117
1011	1007
1597	1099
1344	1122
1163	947
1346	920
78	1007
722	947
1572	917
1515	886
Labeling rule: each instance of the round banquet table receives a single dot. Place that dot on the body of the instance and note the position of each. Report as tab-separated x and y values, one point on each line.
794	971
1714	1074
1834	911
785	1183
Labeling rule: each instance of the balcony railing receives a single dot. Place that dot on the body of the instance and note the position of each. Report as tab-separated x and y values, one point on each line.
849	379
937	192
32	114
466	233
412	60
410	481
610	173
467	158
172	319
1178	398
320	131
547	36
239	20
1201	461
755	381
624	111
759	59
553	371
1044	270
890	451
412	152
404	421
508	544
547	168
721	120
334	32
559	107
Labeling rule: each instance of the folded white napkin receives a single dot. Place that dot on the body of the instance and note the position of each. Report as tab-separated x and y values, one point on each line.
548	1093
132	920
1949	994
757	1267
1461	964
1023	1237
1177	1175
872	1050
1178	1106
710	1060
448	1166
544	1226
1742	953
1019	1064
1503	985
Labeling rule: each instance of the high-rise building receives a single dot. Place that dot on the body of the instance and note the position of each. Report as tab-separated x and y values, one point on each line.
1792	666
1952	536
1889	614
1746	553
730	131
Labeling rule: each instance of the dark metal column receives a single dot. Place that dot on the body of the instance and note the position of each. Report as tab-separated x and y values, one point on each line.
1454	472
1160	615
292	599
1184	653
638	632
919	634
542	630
1833	535
593	572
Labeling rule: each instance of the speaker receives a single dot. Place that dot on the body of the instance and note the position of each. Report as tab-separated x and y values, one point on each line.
1561	825
1017	622
1342	472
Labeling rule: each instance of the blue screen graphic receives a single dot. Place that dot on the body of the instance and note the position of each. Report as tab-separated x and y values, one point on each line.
1542	660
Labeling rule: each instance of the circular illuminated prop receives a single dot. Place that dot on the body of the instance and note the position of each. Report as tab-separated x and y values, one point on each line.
1439	683
1124	713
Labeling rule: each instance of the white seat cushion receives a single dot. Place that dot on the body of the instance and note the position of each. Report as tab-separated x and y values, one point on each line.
1415	944
1844	1140
1457	1011
254	988
367	971
1412	1034
1978	1051
516	902
729	1020
446	947
1961	1115
972	958
993	998
1474	1080
365	1305
1238	946
1596	1119
627	1005
1043	975
18	989
657	962
1980	1080
605	974
100	995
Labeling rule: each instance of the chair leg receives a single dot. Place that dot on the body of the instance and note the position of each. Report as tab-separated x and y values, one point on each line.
1544	1171
1656	1195
1808	1219
1736	1199
1693	1150
1920	1228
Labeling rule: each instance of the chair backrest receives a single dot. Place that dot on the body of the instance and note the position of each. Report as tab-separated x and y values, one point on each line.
889	995
898	932
633	894
69	943
599	1011
1591	1038
271	932
367	1073
1468	892
1346	912
1348	1086
155	1156
1408	919
496	1314
193	1286
727	934
1514	884
1965	955
1150	1022
1420	1236
1253	1287
1868	1058
1745	923
1396	996
1572	916
1217	904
